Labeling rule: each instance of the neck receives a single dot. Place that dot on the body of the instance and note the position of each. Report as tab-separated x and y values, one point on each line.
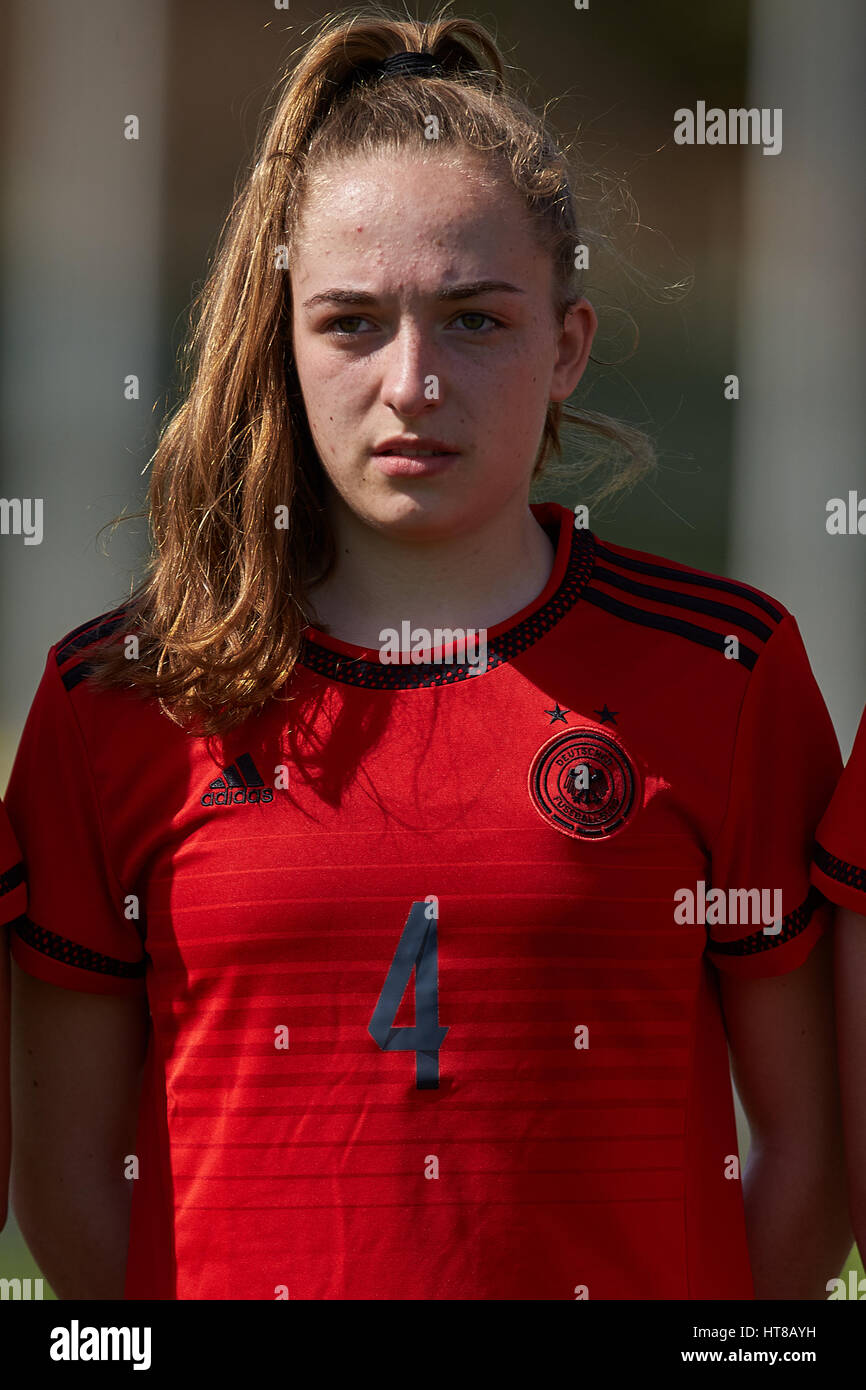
471	580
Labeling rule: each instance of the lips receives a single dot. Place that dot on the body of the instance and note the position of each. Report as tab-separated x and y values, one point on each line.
414	458
421	447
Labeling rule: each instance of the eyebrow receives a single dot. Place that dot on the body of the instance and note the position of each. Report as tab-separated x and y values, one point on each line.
466	291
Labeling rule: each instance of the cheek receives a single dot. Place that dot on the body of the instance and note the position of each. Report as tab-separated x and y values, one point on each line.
518	388
308	367
320	393
325	374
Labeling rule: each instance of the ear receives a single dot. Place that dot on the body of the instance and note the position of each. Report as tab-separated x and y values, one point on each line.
573	349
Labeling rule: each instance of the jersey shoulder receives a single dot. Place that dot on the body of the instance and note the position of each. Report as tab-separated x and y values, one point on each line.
693	604
71	653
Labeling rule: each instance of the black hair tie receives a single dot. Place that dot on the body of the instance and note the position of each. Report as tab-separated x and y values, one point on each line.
411	64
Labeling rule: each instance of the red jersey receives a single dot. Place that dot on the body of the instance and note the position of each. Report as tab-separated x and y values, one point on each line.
13	902
839	866
13	889
430	1019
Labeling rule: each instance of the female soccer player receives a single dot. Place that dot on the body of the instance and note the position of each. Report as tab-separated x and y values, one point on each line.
393	802
839	871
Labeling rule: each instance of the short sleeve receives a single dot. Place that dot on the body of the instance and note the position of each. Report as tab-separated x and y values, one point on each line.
75	933
13	886
785	765
839	862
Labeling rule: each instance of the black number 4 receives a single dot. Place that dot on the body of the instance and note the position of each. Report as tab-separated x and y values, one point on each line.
416	949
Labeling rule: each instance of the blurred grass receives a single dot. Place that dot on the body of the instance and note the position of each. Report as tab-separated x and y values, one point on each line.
16	1262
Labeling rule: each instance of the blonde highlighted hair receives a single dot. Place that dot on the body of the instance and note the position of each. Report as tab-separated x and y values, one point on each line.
220	612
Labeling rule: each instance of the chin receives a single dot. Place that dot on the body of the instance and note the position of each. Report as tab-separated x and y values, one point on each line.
413	515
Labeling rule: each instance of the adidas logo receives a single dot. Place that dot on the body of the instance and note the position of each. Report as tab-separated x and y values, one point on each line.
239	784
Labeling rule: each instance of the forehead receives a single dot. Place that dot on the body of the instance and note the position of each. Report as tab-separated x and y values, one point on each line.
392	206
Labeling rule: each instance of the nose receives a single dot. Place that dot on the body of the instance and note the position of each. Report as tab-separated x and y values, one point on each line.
411	381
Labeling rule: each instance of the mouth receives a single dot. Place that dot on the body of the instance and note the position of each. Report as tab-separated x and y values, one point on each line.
414	460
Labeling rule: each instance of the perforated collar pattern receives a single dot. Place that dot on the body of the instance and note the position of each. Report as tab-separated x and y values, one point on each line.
375	675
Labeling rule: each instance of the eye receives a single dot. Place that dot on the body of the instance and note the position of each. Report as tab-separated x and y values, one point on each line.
342	332
477	314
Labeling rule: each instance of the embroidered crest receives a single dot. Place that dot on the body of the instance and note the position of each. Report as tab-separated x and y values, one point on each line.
583	782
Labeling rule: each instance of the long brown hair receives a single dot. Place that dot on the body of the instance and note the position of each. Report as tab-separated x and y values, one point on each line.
219	616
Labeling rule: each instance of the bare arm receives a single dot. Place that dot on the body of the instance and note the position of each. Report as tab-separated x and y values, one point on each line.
76	1077
781	1033
851	1025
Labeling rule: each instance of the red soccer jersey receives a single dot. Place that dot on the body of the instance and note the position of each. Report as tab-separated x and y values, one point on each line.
13	890
428	1021
839	867
13	902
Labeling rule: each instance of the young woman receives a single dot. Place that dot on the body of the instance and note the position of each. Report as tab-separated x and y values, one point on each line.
839	871
404	945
